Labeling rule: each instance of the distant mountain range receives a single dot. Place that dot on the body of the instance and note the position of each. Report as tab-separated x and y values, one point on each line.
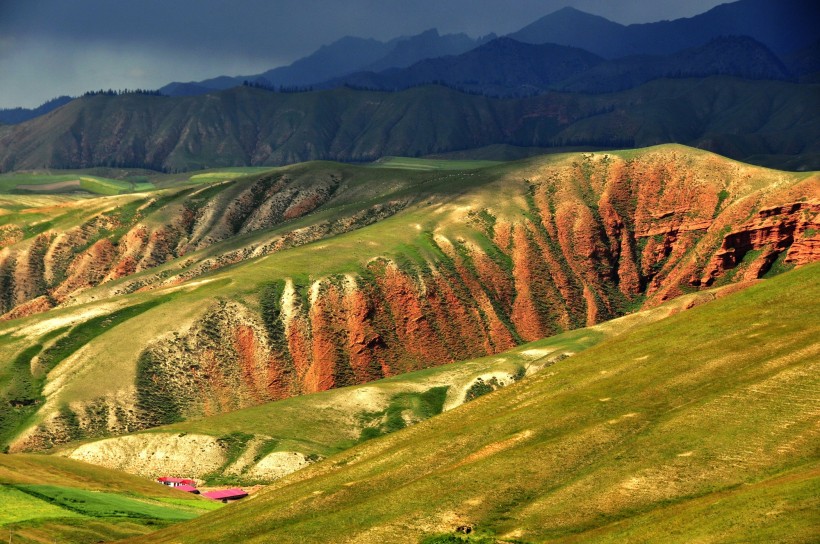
782	25
768	122
577	80
565	50
344	56
12	116
505	67
501	67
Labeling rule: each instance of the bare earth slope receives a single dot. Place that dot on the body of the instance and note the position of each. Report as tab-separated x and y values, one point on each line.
176	322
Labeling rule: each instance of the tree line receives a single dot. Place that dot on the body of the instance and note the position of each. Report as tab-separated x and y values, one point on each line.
121	92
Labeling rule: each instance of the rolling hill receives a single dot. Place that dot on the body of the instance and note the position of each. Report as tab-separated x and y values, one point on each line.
699	426
766	122
198	300
49	499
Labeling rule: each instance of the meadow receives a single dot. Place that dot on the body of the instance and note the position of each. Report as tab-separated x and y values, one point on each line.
46	499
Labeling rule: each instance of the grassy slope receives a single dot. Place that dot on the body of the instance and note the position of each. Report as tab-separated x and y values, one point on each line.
115	350
706	421
409	163
117	181
92	184
50	498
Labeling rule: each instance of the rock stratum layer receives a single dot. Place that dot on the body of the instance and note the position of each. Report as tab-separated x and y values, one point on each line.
460	265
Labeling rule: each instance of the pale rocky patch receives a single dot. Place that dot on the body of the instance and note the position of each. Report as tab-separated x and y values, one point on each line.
155	454
278	465
456	394
41	327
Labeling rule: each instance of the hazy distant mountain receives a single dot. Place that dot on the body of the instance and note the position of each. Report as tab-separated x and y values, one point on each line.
805	63
571	27
426	45
344	56
188	89
766	121
735	56
782	25
502	67
505	67
12	116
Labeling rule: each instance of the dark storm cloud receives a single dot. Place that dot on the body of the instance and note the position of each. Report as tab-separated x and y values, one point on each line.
51	47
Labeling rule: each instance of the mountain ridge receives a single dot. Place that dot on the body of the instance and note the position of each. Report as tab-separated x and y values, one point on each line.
407	269
784	27
508	68
247	126
347	54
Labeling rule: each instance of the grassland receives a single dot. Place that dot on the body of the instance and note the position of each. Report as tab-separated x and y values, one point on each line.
321	424
227	173
56	182
54	499
67	182
699	426
410	163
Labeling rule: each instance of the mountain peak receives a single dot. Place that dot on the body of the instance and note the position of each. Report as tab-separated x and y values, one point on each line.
432	32
570	26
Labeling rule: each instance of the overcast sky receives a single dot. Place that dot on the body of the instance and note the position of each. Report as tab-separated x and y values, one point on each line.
54	47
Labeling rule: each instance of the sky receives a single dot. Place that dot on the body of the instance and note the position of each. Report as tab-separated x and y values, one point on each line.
50	48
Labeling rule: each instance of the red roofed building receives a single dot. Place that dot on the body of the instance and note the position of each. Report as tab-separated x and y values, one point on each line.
225	495
188	488
175	482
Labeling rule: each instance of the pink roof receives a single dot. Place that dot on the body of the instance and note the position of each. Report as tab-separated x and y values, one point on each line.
233	493
175	480
188	488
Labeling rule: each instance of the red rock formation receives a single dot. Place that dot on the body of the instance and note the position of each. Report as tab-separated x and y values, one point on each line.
87	269
31	307
595	239
792	228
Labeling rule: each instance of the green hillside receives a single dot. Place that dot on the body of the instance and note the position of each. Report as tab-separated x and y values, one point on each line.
65	183
129	312
112	181
771	121
702	426
50	499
